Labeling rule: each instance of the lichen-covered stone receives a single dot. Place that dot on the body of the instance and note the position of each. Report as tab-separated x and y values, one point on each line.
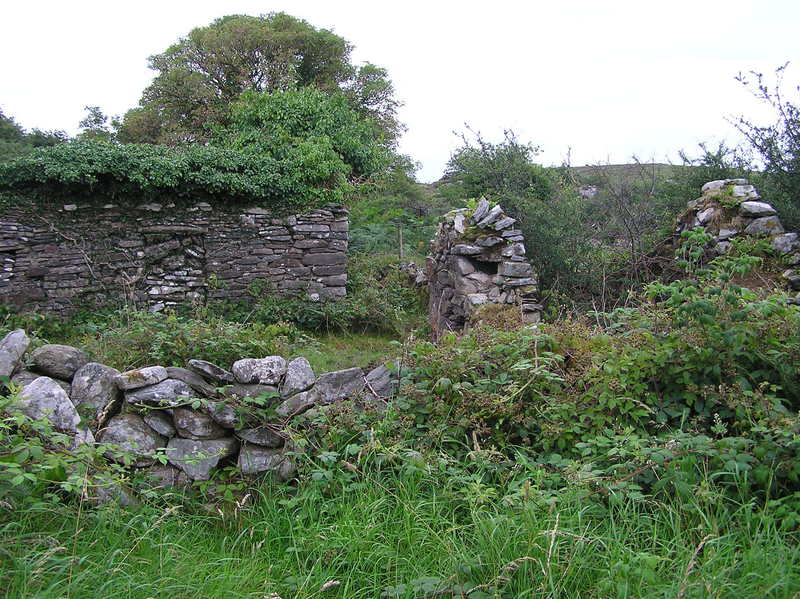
198	458
254	459
193	424
263	371
296	404
94	385
194	380
12	347
161	422
168	392
141	377
767	225
44	399
299	377
130	435
337	385
59	361
211	372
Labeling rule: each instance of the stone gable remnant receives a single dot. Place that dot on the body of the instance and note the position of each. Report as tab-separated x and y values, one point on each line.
478	258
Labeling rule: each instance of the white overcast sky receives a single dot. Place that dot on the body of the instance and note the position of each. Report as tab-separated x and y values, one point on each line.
606	79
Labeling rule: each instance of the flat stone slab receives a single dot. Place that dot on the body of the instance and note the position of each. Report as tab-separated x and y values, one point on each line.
194	380
193	424
263	435
141	377
12	348
169	392
750	208
211	371
198	458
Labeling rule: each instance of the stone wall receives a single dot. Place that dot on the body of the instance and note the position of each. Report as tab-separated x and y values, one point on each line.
200	418
478	258
155	255
731	209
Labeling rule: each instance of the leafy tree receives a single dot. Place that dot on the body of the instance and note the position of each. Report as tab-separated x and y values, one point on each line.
15	141
201	75
95	126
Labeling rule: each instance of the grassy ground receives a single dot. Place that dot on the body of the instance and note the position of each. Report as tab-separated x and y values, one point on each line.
345	350
410	535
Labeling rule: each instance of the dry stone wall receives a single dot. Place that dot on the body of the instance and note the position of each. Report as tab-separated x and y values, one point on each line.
732	209
200	418
478	258
156	255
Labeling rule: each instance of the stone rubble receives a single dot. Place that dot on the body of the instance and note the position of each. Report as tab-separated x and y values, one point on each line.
195	418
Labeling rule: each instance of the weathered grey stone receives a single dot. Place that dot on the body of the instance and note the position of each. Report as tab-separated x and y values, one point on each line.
324	259
481	210
382	381
514	269
503	223
263	435
59	361
476	299
254	459
299	377
141	377
25	377
753	209
193	424
211	371
224	414
161	422
493	215
129	434
725	234
197	458
194	380
792	277
459	226
44	399
296	404
12	348
786	243
337	385
83	436
463	249
168	392
723	247
264	371
717	185
705	215
164	476
767	225
463	265
94	385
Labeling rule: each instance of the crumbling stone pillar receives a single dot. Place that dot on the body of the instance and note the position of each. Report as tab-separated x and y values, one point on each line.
478	258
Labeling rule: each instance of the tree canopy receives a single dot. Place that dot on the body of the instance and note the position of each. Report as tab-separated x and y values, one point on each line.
201	75
15	141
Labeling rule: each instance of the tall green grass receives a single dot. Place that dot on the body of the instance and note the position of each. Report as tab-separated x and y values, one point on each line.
398	535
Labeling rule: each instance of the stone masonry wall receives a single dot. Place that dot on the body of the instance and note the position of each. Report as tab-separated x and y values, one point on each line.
153	255
478	258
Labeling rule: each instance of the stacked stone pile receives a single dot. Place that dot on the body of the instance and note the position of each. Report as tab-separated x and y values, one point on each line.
477	258
199	416
732	208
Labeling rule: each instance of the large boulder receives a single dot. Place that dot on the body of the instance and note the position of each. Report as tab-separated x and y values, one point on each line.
254	459
12	347
337	385
94	385
167	393
192	424
299	377
198	458
264	371
141	377
129	434
44	399
764	226
212	372
59	361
